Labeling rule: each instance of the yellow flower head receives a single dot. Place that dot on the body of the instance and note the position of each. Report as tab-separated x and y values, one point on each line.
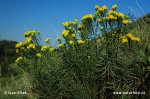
80	42
44	48
25	43
110	12
65	33
73	35
96	7
29	40
19	45
99	20
121	15
124	40
101	10
111	17
31	46
115	13
47	40
32	33
104	7
29	33
51	50
114	7
60	45
87	17
138	39
38	55
18	59
66	24
133	38
129	35
71	42
58	38
125	22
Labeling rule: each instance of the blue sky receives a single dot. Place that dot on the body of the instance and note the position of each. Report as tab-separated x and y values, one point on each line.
18	16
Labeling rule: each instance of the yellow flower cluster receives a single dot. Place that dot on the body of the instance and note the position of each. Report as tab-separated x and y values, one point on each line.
124	40
60	45
68	24
87	17
133	38
96	7
112	14
19	45
18	59
101	15
73	35
44	48
104	7
28	43
121	15
47	48
68	34
65	24
28	40
129	36
126	22
71	42
29	33
25	43
101	10
111	17
65	33
80	42
114	7
31	46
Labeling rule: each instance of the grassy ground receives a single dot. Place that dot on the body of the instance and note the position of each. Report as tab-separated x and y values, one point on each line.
20	83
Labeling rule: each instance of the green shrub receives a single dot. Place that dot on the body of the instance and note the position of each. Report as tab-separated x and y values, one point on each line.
97	57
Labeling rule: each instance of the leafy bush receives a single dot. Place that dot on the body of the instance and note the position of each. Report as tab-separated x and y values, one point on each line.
97	57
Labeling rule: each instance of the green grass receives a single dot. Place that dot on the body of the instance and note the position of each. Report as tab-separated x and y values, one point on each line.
19	82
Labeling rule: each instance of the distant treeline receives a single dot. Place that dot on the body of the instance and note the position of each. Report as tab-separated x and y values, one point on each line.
7	55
